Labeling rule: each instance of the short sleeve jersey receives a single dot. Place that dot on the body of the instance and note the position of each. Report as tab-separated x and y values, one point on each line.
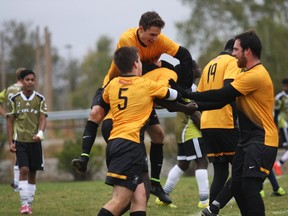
281	104
221	68
26	112
255	107
11	90
131	102
163	45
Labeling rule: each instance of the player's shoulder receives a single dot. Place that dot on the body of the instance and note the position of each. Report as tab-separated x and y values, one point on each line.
37	94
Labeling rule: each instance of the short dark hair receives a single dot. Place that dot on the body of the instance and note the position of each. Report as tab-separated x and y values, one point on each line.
151	18
18	72
124	58
229	45
285	81
25	73
250	40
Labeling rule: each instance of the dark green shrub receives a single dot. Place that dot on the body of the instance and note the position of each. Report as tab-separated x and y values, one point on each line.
71	150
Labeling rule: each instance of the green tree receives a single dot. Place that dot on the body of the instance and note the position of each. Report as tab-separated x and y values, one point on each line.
211	22
94	68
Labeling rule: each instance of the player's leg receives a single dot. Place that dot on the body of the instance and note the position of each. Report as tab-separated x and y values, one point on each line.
138	201
156	134
96	115
277	190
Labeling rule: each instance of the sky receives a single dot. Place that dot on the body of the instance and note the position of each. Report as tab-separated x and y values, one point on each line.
80	23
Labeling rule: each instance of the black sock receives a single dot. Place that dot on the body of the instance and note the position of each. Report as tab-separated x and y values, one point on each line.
104	212
88	137
138	213
156	160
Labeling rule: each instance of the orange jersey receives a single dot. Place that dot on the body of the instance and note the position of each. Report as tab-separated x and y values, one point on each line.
221	68
131	103
163	45
255	107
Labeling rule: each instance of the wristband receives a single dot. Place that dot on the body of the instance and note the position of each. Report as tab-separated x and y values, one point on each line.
40	134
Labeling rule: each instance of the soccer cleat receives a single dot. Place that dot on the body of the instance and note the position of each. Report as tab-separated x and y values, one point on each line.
25	209
157	190
160	203
207	212
262	193
80	164
203	204
277	169
279	192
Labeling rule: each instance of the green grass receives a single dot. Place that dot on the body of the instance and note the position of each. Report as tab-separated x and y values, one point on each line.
86	198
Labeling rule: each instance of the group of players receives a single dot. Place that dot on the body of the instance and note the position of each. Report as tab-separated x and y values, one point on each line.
234	96
235	75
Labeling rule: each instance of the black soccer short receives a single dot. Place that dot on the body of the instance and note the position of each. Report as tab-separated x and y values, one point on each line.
191	149
153	118
97	97
253	160
29	154
126	161
220	144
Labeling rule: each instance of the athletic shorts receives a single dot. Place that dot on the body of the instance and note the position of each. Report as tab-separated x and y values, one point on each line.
253	160
220	144
97	97
29	154
191	149
126	162
153	118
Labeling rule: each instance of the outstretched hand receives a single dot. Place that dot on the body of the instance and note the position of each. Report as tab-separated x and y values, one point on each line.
175	86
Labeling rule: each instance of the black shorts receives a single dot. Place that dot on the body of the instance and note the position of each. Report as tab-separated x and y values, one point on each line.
191	149
29	154
220	144
126	162
153	118
253	160
97	97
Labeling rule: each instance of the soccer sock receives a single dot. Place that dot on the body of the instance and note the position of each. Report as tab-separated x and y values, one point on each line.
223	197
138	213
173	177
88	137
284	158
273	181
203	183
156	160
104	212
23	186
31	193
16	175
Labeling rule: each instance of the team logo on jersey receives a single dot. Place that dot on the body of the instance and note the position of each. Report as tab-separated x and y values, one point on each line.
27	104
18	104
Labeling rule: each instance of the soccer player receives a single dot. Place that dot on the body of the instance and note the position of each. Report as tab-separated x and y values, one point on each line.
26	122
281	120
5	95
126	160
151	43
190	148
219	127
257	148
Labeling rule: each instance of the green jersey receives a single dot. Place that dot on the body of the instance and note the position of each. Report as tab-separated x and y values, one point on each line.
26	112
281	105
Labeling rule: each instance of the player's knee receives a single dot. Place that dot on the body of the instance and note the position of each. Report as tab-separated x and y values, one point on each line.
156	133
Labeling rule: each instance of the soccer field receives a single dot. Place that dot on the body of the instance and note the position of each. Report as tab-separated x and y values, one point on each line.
86	198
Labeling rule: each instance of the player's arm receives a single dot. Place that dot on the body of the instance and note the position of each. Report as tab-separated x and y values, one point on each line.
2	99
10	126
188	66
42	126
